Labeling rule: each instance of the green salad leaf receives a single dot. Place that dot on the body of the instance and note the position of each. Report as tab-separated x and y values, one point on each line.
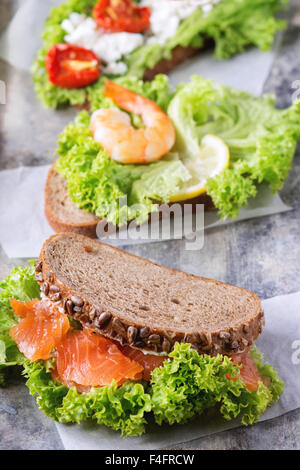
20	285
233	25
183	387
261	138
98	184
261	141
190	383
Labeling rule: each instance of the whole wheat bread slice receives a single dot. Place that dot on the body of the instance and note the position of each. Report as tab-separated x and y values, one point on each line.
61	212
140	303
63	215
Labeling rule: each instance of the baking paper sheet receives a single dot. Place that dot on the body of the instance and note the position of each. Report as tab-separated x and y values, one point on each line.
280	343
23	225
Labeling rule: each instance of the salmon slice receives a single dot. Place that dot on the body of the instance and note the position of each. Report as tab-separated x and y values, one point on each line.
249	372
147	361
22	308
41	328
92	360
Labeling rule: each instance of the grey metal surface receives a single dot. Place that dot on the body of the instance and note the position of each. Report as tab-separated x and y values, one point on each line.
261	254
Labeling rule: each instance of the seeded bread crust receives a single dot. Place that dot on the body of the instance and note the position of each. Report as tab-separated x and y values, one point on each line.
140	333
63	215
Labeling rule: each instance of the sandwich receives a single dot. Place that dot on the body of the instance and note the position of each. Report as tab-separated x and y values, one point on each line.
86	39
143	144
105	335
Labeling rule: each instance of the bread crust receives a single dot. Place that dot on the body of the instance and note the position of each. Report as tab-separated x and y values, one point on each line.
89	229
143	335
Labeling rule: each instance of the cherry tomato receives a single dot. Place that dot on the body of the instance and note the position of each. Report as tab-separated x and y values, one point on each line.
71	66
121	15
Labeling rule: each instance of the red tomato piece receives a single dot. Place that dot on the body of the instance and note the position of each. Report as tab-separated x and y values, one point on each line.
71	66
121	15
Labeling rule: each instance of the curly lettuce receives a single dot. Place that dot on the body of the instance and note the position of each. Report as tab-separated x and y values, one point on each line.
121	408
233	25
191	383
98	184
183	387
261	141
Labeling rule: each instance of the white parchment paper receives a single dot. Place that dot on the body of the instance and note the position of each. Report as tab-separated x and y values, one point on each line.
23	225
280	343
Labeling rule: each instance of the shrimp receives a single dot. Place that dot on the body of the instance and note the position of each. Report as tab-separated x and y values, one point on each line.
113	130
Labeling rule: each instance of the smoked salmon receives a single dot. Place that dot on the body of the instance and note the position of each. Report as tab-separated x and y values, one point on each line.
249	372
22	308
86	359
82	358
148	361
41	328
93	360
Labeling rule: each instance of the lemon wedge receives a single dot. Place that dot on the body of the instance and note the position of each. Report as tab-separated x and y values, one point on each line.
213	158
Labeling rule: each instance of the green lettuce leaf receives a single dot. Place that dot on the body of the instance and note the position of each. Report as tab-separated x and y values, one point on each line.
20	285
98	184
158	90
261	141
190	383
233	25
121	408
261	138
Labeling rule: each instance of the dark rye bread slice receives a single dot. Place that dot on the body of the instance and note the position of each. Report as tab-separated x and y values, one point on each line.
63	215
140	303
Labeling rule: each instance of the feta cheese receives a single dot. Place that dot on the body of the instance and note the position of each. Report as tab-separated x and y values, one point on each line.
111	48
115	68
167	14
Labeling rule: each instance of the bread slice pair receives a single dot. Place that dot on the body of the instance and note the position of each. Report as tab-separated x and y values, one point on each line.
63	215
140	303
